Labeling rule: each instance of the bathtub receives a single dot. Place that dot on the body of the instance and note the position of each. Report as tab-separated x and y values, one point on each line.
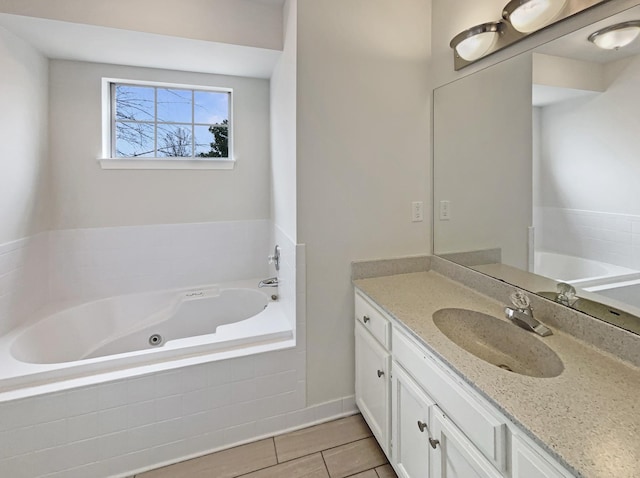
158	330
625	291
577	270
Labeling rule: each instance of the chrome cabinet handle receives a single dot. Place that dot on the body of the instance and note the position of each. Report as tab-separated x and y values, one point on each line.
422	426
380	373
434	443
365	318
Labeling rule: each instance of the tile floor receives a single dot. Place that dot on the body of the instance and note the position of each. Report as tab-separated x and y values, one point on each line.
338	449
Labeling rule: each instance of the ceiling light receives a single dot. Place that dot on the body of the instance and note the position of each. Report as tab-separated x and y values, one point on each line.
616	36
527	16
477	41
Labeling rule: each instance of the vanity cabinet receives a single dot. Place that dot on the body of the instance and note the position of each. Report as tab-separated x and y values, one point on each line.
411	425
429	422
454	456
372	370
528	463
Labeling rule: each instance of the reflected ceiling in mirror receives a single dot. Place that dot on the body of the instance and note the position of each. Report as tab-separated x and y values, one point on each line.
540	178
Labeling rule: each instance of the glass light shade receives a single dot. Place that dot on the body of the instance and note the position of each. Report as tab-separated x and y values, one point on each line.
532	15
476	46
615	38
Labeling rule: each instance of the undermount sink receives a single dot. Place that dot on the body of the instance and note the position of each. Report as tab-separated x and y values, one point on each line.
499	342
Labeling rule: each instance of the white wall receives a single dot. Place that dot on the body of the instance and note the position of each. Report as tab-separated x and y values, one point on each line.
363	145
87	196
588	193
283	128
590	149
23	150
239	22
24	193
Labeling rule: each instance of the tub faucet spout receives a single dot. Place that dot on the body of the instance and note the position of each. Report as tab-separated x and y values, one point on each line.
270	282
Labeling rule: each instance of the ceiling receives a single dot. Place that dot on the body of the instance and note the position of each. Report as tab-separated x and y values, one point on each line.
79	42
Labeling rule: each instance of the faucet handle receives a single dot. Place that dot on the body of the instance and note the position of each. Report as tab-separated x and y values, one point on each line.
275	257
566	294
520	300
566	289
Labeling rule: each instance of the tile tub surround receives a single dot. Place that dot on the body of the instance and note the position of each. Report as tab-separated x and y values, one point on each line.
23	279
601	236
586	417
79	265
129	426
102	262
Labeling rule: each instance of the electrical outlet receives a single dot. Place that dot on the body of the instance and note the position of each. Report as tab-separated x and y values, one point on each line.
445	210
417	211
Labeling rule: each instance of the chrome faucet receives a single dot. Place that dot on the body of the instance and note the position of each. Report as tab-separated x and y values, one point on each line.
270	282
522	315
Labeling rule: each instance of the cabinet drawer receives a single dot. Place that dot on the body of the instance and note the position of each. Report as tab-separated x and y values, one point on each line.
486	432
373	320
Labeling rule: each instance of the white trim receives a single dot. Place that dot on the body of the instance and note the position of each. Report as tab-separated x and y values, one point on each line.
161	163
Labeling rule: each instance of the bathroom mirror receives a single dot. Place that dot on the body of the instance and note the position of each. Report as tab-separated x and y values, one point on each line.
536	173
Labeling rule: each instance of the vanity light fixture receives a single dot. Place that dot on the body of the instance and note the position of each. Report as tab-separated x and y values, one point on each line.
527	16
475	42
616	36
520	18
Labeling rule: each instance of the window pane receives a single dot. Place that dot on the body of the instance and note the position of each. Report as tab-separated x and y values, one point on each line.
174	140
174	105
134	140
134	103
212	141
211	107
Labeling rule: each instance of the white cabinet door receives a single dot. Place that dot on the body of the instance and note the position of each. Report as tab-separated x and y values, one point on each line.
527	463
372	384
454	455
410	418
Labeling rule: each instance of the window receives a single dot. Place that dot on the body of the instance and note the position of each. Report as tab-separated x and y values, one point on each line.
161	125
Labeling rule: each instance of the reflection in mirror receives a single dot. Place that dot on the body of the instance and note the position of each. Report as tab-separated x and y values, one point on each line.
536	173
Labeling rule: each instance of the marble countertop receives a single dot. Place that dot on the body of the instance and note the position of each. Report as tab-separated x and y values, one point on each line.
588	417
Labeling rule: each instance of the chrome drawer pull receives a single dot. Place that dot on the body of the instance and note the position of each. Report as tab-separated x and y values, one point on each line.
434	443
380	373
365	318
422	426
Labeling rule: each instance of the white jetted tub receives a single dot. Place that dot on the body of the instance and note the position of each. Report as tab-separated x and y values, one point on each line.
577	270
124	332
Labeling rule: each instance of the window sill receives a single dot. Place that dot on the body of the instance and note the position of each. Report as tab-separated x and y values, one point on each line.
162	163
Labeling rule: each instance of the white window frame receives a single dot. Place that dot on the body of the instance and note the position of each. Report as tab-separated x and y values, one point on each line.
108	161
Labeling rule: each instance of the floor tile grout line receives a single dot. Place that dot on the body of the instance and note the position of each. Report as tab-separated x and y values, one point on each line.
327	449
349	443
363	471
326	467
275	453
277	464
275	449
